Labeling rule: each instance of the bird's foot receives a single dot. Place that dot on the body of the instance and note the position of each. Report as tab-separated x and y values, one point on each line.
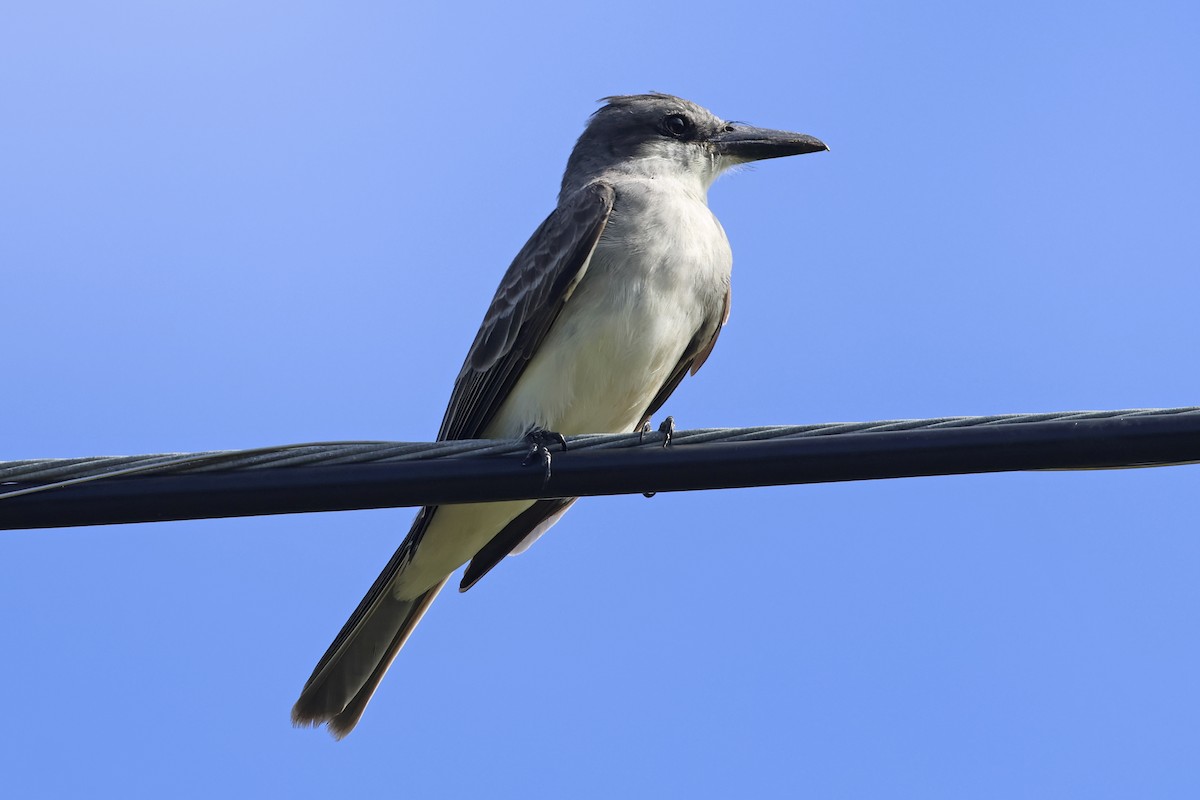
538	439
667	429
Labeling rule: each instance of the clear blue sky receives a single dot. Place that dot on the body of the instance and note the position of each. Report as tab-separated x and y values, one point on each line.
231	224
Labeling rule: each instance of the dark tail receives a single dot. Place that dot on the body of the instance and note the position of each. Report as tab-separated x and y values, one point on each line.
348	674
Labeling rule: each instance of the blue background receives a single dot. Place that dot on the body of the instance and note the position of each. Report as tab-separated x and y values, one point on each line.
232	224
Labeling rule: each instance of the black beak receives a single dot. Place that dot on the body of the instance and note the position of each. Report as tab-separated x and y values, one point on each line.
747	143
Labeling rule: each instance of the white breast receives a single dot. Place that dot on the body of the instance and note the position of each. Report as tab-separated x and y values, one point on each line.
659	272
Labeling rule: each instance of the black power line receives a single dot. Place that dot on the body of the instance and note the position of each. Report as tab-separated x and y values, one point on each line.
344	476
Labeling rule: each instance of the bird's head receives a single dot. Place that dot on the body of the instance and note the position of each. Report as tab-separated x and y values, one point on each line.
662	136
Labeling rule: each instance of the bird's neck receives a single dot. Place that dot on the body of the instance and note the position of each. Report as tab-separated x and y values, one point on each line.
661	172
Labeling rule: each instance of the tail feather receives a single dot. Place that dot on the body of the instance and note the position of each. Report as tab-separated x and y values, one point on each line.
338	691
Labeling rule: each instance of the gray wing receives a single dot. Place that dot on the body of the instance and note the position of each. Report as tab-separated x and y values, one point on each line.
531	295
510	537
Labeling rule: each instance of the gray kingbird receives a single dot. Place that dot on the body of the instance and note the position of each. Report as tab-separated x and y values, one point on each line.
617	296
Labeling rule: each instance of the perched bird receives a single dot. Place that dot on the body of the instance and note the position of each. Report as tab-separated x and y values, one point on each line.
617	296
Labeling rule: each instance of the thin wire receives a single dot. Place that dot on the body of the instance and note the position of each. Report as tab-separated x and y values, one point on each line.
55	473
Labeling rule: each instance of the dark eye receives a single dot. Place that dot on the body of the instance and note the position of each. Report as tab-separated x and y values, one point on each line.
676	125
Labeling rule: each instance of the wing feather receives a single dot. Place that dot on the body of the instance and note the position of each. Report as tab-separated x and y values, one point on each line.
531	295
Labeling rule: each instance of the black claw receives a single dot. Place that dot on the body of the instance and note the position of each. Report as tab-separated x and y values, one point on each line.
543	437
642	438
667	429
538	451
